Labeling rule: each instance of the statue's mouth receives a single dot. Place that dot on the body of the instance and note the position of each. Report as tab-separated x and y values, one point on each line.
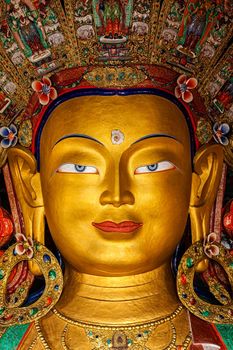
124	226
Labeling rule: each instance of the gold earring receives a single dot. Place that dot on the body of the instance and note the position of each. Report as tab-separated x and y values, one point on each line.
27	249
186	270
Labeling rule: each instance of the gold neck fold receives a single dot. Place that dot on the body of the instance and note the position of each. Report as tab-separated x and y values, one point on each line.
103	307
118	300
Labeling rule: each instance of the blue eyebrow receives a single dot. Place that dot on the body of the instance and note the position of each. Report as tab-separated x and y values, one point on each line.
154	135
95	140
83	136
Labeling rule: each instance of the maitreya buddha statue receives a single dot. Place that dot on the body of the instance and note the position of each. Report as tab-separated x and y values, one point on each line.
115	177
114	240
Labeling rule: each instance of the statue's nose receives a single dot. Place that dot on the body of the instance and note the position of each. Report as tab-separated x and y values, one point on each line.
116	199
117	190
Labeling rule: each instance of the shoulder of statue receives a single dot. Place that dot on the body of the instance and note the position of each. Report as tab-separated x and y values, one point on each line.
20	337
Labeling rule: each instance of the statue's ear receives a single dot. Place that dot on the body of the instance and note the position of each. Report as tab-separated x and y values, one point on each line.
206	177
27	186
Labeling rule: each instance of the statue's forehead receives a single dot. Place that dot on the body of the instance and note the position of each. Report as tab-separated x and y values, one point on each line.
98	116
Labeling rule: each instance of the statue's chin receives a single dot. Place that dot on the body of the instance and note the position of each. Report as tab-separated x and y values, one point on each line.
119	268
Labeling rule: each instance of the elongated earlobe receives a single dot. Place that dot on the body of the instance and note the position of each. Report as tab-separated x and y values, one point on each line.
205	181
27	186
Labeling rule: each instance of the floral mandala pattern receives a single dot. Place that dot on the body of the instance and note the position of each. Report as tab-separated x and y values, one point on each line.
24	245
183	88
220	131
210	248
44	90
9	135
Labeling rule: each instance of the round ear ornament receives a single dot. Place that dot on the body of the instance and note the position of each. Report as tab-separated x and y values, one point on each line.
222	313
26	249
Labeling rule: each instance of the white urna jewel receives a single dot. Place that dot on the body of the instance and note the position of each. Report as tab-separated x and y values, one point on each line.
117	137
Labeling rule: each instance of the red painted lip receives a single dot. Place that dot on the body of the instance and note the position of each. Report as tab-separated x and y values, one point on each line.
124	226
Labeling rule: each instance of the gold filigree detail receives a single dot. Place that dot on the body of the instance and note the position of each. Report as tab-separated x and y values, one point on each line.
152	323
197	306
25	133
115	77
104	338
11	313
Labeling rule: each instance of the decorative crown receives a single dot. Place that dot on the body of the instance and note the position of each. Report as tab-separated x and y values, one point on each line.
48	48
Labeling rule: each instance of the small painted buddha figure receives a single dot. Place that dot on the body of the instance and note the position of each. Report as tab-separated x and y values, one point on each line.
115	178
112	15
25	24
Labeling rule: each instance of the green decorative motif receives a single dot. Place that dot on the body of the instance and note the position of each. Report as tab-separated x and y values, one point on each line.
226	332
12	337
33	311
52	274
115	77
1	274
189	262
205	313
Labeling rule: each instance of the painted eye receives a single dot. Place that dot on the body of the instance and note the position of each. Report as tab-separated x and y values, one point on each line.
76	169
156	167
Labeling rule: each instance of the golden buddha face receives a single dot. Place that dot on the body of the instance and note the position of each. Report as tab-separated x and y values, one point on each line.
116	179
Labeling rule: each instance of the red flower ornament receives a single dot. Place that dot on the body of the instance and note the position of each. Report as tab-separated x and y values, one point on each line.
184	85
6	227
24	245
228	220
44	90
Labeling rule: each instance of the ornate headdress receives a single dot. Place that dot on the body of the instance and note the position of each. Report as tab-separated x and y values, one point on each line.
48	49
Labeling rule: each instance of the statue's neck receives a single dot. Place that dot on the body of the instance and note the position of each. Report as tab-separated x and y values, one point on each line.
118	300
